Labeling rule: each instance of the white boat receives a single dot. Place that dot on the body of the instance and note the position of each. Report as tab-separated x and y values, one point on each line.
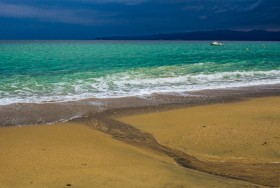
215	43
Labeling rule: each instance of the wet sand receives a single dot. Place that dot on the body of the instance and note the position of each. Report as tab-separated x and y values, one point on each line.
42	113
74	155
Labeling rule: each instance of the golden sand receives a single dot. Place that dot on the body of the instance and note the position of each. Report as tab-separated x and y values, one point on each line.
73	155
241	131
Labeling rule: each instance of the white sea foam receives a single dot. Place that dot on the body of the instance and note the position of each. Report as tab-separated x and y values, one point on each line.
134	83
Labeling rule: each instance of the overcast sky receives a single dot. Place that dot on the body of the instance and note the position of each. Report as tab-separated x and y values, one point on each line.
86	19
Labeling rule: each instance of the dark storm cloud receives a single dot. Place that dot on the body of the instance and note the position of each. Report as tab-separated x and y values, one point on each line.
91	18
82	15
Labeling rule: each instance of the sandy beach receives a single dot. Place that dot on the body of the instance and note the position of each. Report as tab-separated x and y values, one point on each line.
239	140
224	144
240	131
243	135
74	155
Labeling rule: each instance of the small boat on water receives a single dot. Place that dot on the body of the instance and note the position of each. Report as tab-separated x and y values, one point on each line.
215	43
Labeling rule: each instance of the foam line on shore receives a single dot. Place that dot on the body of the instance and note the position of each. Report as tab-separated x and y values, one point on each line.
31	114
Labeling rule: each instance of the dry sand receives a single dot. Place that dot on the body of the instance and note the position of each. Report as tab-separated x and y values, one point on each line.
74	155
242	131
240	140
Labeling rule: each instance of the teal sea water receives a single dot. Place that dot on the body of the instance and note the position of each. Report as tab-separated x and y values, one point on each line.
52	71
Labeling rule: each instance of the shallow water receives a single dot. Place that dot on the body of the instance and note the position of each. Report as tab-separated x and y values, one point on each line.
50	71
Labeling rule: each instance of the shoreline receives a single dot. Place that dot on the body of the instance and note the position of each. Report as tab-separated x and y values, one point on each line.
105	119
22	114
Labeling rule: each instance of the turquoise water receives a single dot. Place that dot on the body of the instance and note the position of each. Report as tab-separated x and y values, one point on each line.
49	71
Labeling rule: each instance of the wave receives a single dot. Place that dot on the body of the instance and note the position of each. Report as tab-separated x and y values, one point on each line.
131	83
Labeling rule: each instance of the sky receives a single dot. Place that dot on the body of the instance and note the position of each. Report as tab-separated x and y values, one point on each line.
88	19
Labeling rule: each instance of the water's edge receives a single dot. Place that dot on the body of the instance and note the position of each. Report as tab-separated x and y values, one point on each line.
47	113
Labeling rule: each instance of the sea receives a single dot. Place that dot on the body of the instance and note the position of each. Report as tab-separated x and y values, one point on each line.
59	71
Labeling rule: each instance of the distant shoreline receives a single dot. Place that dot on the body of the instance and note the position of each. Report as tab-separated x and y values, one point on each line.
128	40
224	35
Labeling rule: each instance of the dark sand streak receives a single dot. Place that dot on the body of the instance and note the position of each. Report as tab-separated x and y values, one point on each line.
267	174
